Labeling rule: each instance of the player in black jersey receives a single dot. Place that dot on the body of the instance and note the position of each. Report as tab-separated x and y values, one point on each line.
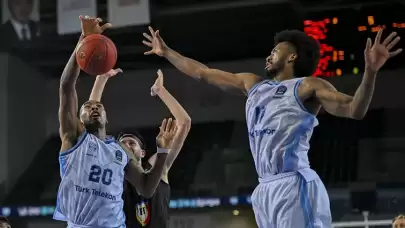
4	223
150	210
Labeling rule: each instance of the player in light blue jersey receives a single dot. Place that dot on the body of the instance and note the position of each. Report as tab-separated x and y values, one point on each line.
281	111
92	165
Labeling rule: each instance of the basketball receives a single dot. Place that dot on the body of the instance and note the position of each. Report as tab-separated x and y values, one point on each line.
96	54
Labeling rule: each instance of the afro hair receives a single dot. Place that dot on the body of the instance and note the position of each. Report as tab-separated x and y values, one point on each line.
307	48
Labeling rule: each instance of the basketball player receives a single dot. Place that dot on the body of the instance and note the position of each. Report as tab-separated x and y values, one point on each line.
4	223
150	210
399	222
93	165
281	111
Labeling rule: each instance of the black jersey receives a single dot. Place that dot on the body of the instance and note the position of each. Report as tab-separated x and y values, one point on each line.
142	212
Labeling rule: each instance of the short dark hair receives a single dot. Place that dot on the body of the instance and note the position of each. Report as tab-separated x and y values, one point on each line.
135	135
307	48
4	219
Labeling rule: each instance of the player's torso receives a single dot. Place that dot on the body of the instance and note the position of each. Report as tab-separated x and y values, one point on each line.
279	127
91	189
153	212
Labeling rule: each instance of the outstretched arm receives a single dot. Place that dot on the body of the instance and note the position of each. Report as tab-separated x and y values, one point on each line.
183	121
356	107
70	127
240	83
146	183
99	84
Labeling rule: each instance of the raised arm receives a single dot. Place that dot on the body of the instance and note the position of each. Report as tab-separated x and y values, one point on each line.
146	183
356	107
70	127
99	84
183	122
240	83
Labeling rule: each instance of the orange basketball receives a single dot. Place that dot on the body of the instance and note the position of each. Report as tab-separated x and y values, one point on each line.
96	54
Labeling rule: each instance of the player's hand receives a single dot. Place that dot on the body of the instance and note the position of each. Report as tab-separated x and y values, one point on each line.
91	25
167	133
154	90
376	55
155	42
111	73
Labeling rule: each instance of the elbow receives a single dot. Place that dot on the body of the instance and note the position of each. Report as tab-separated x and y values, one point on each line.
184	123
358	116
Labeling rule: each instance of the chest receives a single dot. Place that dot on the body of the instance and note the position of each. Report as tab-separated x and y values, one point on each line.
108	153
269	99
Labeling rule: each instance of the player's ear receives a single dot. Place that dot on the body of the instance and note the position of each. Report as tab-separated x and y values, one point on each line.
292	57
143	153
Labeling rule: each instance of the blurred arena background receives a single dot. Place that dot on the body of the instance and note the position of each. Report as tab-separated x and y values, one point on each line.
362	163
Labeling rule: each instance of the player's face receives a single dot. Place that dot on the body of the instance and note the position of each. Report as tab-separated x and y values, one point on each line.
4	225
22	9
399	223
278	59
134	146
92	114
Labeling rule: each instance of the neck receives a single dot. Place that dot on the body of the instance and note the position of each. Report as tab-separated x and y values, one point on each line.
99	133
286	74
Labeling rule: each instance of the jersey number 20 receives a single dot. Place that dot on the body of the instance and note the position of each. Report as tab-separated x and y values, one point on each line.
98	174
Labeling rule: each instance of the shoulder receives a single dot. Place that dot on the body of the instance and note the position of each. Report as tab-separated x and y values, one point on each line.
249	80
315	83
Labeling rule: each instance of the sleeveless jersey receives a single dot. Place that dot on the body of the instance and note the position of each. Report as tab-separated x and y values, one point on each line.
142	212
90	193
279	128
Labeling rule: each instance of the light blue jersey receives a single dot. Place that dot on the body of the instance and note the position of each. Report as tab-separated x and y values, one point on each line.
90	193
290	194
279	127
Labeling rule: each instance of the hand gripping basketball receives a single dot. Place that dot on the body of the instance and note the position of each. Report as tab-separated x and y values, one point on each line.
90	25
166	135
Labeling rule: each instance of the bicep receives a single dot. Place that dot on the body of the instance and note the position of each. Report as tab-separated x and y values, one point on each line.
239	83
69	123
333	101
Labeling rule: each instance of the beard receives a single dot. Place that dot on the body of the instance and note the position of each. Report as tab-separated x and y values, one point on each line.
274	70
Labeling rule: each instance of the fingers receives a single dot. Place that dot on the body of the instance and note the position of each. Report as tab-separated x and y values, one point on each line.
163	126
173	130
147	36
169	125
148	52
149	44
151	31
395	53
160	73
368	44
118	70
378	36
157	34
393	43
105	26
389	38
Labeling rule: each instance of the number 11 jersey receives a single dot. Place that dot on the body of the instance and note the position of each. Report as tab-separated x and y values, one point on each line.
90	192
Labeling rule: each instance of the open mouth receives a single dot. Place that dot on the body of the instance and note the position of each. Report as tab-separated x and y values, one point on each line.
95	114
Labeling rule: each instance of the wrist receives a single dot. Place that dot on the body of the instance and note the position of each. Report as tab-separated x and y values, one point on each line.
166	52
162	150
370	71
